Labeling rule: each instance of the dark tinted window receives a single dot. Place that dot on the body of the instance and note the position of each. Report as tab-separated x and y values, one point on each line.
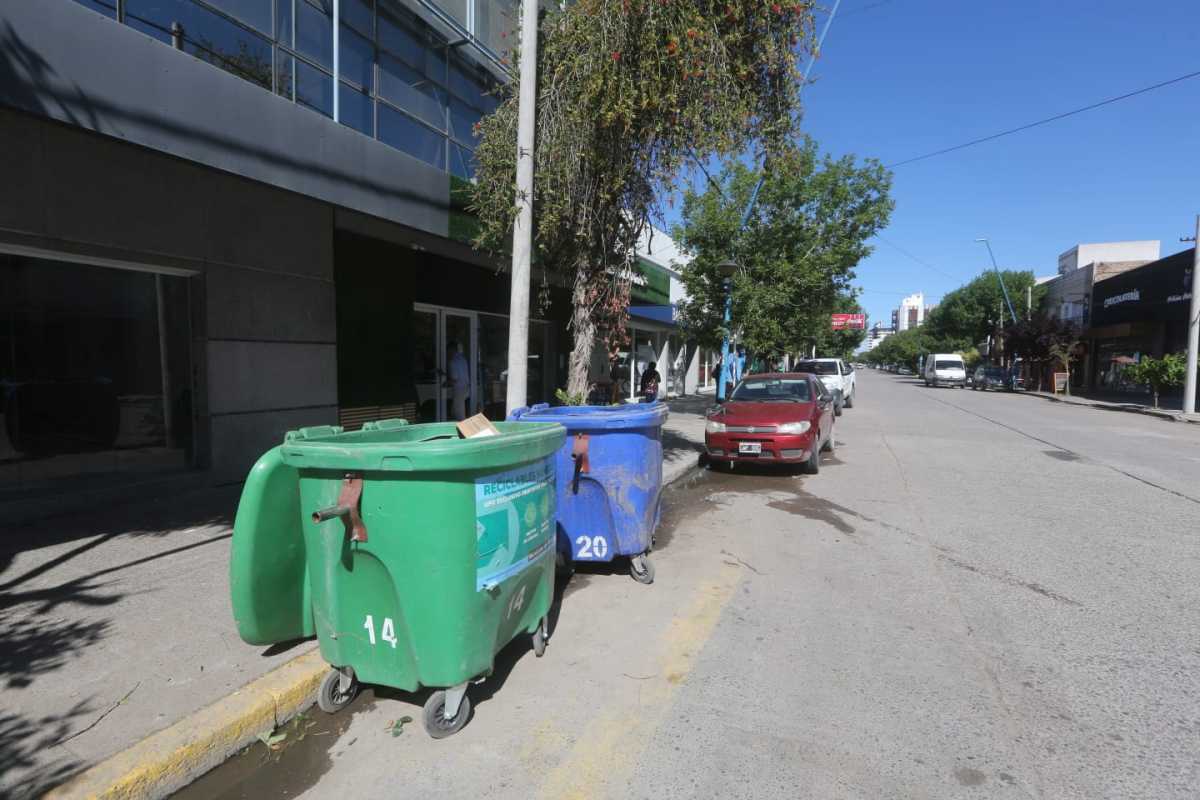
818	367
355	110
942	364
313	88
412	137
313	31
256	13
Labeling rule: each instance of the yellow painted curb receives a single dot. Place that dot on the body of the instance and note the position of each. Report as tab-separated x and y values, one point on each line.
170	759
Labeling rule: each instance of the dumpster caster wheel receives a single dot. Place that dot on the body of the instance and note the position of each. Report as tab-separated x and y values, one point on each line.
336	691
539	639
641	569
436	724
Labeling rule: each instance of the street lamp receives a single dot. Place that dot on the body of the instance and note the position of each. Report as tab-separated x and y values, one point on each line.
727	269
1003	288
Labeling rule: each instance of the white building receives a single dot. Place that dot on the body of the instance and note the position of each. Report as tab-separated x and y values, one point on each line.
1107	252
911	313
876	335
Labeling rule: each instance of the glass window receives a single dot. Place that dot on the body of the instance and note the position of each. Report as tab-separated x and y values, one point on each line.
355	110
256	13
314	88
412	137
465	83
456	9
106	7
462	121
356	59
462	162
283	22
314	26
357	14
208	36
398	38
410	90
83	388
496	23
285	67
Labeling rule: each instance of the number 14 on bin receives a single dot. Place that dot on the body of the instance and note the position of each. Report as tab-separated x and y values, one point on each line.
593	548
387	631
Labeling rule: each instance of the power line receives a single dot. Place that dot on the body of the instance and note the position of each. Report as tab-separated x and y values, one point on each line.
1047	120
868	7
920	261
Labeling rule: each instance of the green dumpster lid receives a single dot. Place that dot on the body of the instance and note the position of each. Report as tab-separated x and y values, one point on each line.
394	445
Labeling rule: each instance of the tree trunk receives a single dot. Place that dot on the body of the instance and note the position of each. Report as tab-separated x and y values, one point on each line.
583	328
1156	398
1067	388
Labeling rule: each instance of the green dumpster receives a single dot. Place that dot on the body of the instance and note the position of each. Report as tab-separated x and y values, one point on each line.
413	555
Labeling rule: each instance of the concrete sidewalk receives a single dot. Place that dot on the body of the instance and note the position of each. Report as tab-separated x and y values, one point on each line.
116	625
1106	404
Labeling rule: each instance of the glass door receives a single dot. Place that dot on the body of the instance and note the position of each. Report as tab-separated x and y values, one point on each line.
444	369
459	396
427	364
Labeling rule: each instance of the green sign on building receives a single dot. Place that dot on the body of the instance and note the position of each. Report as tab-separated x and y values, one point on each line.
651	284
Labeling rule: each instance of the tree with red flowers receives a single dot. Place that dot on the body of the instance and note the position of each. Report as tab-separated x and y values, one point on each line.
628	92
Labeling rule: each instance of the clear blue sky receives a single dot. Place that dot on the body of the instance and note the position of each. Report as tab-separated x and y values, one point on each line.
900	78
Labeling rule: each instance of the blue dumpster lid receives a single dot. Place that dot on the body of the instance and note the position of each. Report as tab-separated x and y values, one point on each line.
591	418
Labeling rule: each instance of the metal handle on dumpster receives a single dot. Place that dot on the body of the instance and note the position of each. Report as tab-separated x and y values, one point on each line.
579	454
346	509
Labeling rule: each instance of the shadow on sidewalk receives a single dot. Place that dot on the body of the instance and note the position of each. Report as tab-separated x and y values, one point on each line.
41	630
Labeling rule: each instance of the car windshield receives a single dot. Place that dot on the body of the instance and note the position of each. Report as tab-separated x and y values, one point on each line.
773	389
995	372
818	367
948	365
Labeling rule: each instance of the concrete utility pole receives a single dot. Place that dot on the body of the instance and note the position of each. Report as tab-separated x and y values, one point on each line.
1193	352
518	310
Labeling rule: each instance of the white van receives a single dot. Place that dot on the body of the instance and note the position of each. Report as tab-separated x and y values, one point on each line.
945	369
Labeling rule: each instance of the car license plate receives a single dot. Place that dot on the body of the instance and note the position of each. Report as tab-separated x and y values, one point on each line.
750	448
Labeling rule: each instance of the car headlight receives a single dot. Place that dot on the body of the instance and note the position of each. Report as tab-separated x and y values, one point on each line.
712	426
795	427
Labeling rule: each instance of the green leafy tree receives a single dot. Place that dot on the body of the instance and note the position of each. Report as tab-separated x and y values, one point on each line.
1159	373
1034	338
628	92
1062	349
973	311
808	230
902	348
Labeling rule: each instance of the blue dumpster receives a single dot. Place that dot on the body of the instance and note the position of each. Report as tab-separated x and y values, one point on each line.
609	474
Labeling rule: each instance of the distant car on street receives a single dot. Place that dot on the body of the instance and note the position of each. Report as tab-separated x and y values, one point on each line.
989	378
775	418
945	369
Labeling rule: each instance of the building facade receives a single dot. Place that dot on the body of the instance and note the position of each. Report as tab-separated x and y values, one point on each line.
911	313
196	255
1137	313
1083	254
876	335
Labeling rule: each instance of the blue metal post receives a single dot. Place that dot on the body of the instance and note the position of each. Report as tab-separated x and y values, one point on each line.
725	344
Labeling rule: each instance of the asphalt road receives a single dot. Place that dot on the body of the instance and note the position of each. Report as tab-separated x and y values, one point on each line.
980	595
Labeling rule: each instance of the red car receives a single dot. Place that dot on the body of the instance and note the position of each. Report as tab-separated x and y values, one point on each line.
775	418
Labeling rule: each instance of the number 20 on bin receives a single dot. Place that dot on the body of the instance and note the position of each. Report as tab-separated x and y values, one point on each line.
591	547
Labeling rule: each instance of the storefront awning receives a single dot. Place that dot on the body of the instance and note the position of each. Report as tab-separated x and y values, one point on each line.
662	315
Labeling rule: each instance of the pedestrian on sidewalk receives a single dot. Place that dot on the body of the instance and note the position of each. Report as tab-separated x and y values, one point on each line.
650	381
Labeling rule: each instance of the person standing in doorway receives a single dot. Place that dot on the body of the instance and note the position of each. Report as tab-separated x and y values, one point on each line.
459	380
